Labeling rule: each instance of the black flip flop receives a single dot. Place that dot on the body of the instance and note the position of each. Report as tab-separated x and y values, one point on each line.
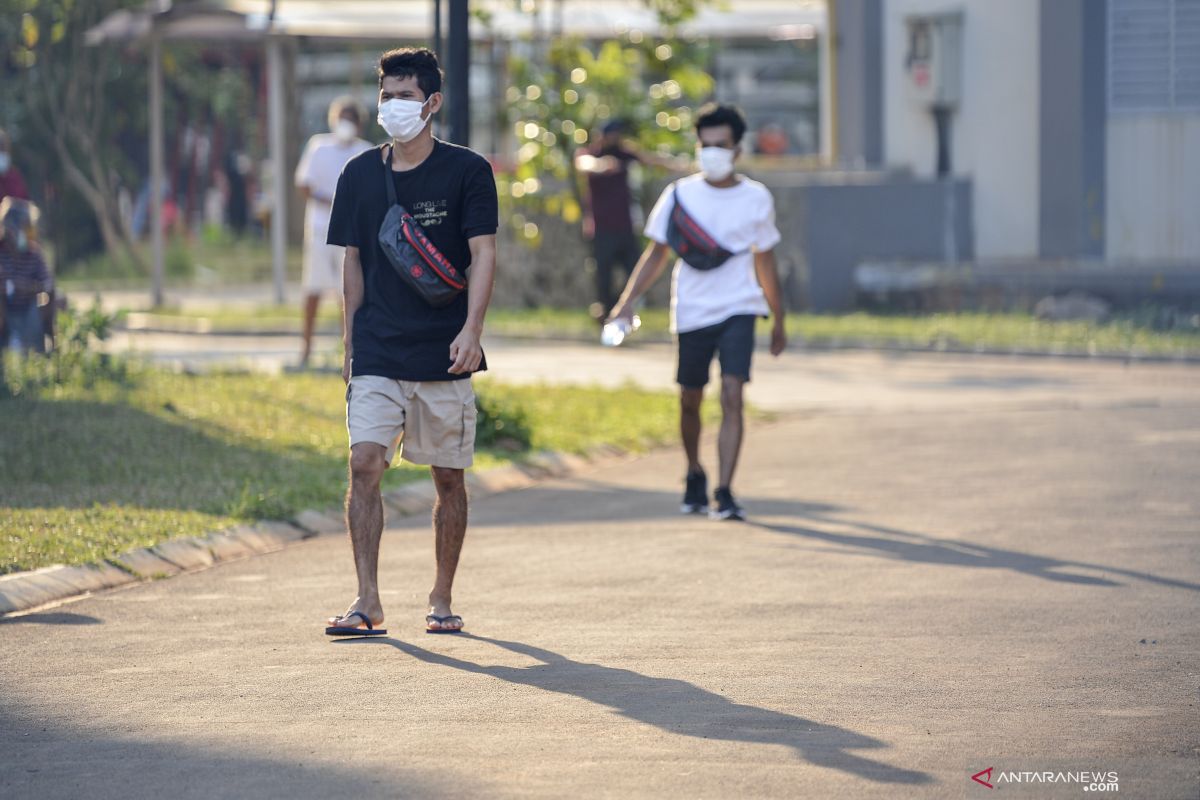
343	630
443	621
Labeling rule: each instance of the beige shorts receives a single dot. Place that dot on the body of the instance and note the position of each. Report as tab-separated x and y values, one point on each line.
433	422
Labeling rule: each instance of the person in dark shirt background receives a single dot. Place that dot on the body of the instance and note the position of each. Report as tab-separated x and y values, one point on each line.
23	276
408	365
608	213
12	182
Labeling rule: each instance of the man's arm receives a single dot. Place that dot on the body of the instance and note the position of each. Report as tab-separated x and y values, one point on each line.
465	351
768	278
650	266
352	297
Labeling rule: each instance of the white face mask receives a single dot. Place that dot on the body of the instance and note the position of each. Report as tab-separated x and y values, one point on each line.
22	241
402	119
716	162
345	131
5	161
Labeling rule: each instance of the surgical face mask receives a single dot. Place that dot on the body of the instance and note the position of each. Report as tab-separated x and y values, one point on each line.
716	162
345	131
402	119
5	161
22	241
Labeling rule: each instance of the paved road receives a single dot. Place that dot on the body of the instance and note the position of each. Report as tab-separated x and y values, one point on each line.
798	380
954	564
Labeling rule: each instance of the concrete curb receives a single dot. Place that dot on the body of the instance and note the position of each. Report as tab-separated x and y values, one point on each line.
25	591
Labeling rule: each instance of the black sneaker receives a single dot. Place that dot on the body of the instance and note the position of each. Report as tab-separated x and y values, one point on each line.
727	507
695	497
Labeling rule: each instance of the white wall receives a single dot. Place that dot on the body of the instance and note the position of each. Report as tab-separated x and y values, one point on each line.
995	130
1153	180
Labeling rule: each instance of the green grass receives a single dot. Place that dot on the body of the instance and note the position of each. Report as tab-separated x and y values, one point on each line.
1137	333
216	258
86	474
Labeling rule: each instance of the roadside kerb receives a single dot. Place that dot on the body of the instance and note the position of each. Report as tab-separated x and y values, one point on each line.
25	591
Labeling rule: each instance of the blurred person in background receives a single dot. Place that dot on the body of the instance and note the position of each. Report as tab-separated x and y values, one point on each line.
316	178
608	206
12	182
24	276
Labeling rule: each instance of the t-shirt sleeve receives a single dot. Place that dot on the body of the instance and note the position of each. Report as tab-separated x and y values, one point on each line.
480	206
656	222
766	233
304	168
342	216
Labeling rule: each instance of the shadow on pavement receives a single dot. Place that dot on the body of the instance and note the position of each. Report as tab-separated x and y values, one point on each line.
682	708
916	547
577	503
52	618
38	761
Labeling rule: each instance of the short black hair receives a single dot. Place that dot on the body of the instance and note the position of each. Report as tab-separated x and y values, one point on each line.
713	115
407	62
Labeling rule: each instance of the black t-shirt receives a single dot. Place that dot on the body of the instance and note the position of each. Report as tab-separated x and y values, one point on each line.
452	193
611	198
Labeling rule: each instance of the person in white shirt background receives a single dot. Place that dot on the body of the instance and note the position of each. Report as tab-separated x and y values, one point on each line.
713	310
316	178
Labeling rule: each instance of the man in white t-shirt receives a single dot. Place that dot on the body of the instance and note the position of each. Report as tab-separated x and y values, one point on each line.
723	223
316	178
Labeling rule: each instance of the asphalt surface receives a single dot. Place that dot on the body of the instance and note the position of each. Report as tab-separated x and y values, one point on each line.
952	564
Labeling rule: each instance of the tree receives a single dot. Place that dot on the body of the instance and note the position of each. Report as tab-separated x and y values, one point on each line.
561	92
74	99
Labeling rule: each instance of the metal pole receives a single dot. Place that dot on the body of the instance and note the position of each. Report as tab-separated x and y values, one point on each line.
436	46
459	46
827	87
279	177
156	169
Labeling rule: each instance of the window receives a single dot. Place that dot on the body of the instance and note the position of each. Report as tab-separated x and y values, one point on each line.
1153	55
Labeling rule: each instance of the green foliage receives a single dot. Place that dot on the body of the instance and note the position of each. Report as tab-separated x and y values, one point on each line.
78	113
564	89
503	422
75	361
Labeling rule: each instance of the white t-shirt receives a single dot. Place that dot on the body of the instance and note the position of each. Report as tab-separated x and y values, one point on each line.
319	168
742	219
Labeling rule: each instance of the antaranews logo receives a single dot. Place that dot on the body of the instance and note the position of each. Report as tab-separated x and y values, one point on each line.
1087	780
984	776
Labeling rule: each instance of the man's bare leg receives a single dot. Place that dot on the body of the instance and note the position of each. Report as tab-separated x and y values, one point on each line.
689	425
310	321
364	517
729	440
449	530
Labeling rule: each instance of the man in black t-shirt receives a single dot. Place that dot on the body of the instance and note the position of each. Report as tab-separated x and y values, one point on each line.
408	365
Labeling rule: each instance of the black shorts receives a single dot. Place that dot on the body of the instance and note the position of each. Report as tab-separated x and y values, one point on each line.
732	341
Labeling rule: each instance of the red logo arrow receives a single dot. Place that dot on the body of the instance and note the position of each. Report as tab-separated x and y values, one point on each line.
984	781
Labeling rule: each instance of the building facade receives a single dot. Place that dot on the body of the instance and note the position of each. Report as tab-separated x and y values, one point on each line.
1077	122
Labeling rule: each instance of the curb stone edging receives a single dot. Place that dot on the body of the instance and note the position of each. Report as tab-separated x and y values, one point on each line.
24	591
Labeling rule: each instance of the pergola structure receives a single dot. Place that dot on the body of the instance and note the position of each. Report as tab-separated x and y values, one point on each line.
268	23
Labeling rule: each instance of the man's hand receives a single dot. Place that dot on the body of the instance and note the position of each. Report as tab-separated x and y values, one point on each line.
346	369
778	338
620	310
465	352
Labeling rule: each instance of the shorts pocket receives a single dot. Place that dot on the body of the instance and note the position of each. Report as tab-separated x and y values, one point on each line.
469	416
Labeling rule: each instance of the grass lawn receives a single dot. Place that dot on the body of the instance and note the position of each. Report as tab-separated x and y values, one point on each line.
88	474
1124	334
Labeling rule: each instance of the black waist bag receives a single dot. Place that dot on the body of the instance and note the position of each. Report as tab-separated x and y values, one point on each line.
693	244
416	260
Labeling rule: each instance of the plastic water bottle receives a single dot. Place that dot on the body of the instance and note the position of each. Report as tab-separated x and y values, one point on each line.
615	332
